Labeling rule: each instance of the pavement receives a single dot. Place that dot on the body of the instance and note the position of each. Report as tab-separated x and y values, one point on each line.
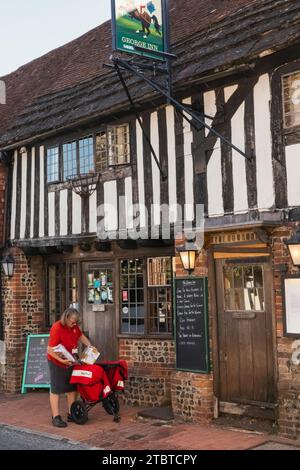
31	412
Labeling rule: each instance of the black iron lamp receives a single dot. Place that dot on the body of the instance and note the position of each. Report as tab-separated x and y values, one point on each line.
188	258
8	264
293	245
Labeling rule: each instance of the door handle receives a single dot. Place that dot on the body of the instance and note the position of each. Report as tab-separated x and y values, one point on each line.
223	356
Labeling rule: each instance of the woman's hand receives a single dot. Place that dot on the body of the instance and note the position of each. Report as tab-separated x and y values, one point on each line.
66	362
85	341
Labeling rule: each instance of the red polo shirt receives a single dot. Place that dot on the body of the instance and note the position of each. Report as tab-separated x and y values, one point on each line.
64	335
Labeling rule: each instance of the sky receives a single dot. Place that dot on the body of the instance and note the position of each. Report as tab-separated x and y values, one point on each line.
31	28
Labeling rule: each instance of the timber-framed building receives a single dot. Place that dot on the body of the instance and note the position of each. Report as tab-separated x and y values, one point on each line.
238	62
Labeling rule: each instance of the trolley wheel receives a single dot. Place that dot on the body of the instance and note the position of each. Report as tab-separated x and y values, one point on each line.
111	404
79	412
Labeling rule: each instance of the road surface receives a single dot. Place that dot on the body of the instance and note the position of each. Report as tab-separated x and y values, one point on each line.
17	439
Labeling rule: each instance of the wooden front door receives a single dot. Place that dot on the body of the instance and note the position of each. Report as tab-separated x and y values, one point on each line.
99	308
245	330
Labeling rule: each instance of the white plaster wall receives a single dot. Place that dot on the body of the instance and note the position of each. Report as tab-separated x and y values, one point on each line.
263	142
293	174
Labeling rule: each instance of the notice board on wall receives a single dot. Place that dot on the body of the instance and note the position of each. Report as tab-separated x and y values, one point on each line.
191	324
36	370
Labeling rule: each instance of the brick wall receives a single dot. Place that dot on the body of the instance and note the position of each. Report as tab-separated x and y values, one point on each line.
192	396
23	296
288	373
153	379
150	366
192	393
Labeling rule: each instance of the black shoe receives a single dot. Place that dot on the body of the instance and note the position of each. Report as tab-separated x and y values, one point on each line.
58	422
70	419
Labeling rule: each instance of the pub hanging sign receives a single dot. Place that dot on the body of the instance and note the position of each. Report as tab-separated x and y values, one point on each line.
140	24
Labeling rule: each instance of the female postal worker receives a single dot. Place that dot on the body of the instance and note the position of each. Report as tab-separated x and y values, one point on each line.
67	333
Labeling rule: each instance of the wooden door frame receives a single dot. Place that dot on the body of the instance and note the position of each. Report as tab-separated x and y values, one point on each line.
213	306
109	263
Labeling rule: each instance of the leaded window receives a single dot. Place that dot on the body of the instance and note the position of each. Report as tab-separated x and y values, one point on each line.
291	99
56	290
244	288
132	296
53	164
62	289
70	160
73	285
118	145
160	295
86	155
98	152
146	296
113	147
101	151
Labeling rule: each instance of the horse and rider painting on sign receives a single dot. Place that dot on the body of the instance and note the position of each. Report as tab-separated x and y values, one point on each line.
139	23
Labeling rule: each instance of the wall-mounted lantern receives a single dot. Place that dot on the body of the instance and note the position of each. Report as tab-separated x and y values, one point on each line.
188	258
293	245
8	264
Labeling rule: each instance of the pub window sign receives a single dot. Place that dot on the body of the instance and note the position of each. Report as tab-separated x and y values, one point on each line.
291	99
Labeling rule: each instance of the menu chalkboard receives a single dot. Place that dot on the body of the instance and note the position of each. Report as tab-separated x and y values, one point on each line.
191	323
36	369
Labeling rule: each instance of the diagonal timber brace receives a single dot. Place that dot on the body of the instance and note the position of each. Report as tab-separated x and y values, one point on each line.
138	117
197	121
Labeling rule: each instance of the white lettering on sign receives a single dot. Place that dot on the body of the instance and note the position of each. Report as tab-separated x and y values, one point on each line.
135	42
296	93
82	373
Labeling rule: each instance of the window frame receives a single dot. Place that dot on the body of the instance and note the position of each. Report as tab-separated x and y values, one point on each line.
287	128
282	137
64	179
243	267
91	136
66	266
147	333
52	147
168	288
73	137
112	128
